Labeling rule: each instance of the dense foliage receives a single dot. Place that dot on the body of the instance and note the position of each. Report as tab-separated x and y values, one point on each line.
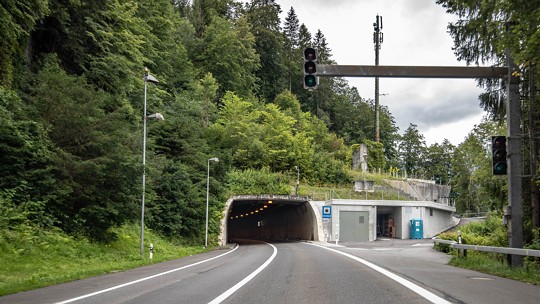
71	100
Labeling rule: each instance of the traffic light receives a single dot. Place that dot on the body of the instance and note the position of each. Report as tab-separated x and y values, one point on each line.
311	81
498	152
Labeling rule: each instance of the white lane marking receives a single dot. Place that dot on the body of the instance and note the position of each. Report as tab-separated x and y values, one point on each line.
481	279
239	285
144	279
419	290
423	245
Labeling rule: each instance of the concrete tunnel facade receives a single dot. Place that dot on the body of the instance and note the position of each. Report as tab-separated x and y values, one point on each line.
270	217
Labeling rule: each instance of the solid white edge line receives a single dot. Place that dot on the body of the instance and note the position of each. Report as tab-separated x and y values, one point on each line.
239	285
144	279
433	298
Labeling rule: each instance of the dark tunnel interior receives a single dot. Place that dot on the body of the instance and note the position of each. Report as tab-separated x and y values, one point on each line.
275	220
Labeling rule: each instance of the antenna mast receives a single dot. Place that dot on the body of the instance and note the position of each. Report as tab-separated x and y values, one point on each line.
377	39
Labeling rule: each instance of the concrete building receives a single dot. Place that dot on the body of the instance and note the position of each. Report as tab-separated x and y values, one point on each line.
367	220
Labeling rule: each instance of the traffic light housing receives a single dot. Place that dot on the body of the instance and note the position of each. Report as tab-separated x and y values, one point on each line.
311	81
498	152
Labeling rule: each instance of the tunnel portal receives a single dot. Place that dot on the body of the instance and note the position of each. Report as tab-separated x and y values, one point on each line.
269	217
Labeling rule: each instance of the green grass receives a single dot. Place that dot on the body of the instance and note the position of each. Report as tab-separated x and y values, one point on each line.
31	261
497	266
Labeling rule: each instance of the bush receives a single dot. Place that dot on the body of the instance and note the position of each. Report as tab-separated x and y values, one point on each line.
257	182
450	236
490	232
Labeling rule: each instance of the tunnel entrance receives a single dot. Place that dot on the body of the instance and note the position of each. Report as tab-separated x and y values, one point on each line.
269	217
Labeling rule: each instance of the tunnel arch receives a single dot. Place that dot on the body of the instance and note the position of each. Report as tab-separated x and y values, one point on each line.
285	217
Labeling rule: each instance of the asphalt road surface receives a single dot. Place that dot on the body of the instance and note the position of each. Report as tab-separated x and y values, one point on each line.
386	271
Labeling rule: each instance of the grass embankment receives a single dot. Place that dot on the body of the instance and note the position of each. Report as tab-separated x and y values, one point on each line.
30	261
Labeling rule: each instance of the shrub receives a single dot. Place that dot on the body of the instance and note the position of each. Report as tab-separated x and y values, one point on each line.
257	182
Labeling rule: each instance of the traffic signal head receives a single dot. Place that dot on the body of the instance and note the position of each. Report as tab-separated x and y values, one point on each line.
498	153
311	81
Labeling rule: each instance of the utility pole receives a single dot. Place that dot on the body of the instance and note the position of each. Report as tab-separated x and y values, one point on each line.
514	210
377	39
533	123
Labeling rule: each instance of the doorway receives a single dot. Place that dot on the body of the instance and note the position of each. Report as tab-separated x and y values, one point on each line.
354	226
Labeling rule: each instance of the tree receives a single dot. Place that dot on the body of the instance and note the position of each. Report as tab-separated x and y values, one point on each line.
412	150
18	21
293	52
228	53
237	130
277	136
263	15
165	48
95	169
325	96
437	162
350	116
323	50
206	91
26	157
87	41
481	32
472	177
178	208
202	12
291	30
289	104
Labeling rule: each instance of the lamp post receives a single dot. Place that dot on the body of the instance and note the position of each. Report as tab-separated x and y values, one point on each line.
207	194
147	78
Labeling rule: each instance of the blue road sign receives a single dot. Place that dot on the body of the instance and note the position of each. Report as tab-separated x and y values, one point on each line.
327	211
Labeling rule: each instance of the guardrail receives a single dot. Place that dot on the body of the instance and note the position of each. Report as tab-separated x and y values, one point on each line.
503	250
472	214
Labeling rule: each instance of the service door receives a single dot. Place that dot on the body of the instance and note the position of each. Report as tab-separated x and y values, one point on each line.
354	226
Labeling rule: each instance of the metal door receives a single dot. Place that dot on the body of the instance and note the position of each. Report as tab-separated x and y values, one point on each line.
354	226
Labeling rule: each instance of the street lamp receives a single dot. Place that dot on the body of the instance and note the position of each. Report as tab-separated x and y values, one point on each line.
147	78
207	192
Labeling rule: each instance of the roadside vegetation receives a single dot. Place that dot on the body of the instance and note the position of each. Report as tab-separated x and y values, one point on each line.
491	232
33	258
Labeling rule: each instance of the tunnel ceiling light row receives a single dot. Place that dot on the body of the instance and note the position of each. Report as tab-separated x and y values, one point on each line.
251	212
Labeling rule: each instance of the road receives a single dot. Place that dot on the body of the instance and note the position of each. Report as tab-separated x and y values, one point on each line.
391	271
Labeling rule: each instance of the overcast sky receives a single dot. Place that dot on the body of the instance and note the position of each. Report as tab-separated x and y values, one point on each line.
415	33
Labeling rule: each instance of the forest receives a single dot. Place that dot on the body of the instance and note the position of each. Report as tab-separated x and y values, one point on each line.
230	86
